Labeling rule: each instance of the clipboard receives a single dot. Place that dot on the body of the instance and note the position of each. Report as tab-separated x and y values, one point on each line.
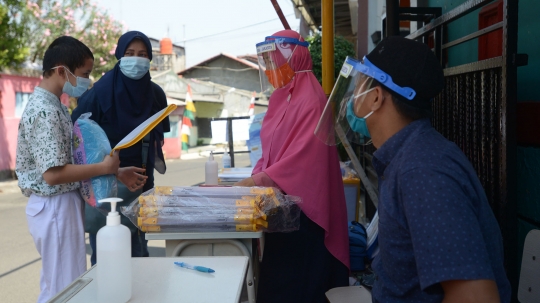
144	128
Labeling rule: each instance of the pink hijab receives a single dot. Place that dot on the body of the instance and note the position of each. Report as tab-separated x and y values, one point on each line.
296	161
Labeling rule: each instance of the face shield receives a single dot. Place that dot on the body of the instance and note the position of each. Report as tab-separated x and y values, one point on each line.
273	56
353	85
350	89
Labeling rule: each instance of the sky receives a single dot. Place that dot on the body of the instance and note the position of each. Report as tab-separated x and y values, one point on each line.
205	27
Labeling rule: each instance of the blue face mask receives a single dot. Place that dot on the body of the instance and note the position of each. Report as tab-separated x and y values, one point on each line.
134	67
75	91
357	124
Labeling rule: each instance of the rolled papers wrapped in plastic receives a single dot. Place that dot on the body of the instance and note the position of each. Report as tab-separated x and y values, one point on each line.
213	191
178	209
200	228
191	211
265	198
203	220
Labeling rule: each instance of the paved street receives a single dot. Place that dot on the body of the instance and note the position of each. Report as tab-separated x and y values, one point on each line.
20	263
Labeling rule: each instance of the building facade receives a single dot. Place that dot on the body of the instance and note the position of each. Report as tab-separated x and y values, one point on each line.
226	70
14	92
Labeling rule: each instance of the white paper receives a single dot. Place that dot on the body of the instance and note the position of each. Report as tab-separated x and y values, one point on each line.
219	131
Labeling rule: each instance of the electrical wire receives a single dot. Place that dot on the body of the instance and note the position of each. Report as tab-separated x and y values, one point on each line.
225	68
232	30
244	35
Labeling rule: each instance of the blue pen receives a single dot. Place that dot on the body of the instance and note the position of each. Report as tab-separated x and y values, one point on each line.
197	268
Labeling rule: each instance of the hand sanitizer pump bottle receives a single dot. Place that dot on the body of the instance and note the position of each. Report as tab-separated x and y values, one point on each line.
226	160
211	171
113	243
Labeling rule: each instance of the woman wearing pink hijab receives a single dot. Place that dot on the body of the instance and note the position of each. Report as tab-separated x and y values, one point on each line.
299	266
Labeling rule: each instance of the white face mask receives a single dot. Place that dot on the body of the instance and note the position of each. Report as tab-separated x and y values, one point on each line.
75	91
134	67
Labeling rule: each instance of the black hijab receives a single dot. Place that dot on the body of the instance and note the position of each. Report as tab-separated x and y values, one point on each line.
126	102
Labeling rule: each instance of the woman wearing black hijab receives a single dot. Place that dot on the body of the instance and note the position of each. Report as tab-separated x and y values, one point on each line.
121	100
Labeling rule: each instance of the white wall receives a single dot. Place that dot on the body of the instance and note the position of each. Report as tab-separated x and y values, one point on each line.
376	10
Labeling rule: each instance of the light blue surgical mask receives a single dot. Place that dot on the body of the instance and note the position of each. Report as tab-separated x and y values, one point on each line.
134	67
358	124
75	91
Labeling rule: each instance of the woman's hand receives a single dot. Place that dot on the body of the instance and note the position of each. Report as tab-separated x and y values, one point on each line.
247	182
132	177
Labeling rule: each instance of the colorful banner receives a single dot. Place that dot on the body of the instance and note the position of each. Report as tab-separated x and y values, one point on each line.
187	120
251	110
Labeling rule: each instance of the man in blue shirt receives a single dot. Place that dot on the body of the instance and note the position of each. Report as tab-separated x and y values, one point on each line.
438	237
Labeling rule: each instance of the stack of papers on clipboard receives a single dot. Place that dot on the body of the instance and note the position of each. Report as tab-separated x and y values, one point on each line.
234	174
144	128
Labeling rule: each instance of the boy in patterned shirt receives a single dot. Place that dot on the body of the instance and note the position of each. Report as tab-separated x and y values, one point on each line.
45	169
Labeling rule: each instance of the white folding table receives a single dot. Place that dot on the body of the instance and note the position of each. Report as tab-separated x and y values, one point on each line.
214	244
159	280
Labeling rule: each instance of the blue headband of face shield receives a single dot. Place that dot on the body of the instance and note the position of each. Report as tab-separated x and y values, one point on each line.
367	68
276	39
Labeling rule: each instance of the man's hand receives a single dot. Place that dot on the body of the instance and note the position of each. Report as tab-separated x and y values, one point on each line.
132	177
247	182
465	291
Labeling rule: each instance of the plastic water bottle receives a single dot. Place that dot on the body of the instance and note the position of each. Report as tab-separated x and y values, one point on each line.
211	171
226	160
113	250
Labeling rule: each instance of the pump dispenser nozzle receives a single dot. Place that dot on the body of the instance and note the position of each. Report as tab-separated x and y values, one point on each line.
113	218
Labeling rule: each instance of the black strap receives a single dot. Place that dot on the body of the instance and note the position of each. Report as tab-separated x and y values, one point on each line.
146	139
145	147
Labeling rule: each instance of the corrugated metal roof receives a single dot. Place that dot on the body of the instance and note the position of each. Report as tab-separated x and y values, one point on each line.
203	91
342	15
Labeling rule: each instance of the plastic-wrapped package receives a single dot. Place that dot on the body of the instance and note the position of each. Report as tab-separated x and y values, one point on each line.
190	211
186	209
347	172
200	228
91	145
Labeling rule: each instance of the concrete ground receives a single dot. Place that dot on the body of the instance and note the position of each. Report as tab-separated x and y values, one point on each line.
20	264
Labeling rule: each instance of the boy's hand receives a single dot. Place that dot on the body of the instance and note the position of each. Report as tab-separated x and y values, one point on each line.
112	163
132	177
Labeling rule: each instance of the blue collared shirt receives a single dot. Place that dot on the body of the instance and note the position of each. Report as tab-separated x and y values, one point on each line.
435	223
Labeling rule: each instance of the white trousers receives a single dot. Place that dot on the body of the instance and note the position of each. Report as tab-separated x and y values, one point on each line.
57	226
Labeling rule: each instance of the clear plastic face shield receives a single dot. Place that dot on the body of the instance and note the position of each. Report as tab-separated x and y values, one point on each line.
349	92
273	56
340	117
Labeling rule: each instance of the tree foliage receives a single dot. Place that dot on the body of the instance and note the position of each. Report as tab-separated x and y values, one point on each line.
342	49
47	20
12	48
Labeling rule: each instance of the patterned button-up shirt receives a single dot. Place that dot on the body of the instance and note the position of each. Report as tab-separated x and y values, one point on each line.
44	141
